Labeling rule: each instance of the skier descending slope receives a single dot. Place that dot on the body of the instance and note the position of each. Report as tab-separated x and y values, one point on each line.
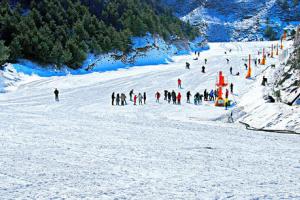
56	92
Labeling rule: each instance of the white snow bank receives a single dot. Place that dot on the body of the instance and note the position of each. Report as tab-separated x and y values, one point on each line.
272	116
10	79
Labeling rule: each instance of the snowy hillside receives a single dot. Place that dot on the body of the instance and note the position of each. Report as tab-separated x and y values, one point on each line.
83	147
235	20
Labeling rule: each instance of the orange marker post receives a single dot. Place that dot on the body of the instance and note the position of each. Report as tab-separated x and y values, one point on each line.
249	68
263	61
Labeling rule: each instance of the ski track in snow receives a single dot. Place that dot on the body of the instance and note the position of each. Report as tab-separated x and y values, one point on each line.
82	147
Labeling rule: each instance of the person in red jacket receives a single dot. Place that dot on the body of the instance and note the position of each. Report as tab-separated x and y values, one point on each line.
179	98
157	95
134	100
179	83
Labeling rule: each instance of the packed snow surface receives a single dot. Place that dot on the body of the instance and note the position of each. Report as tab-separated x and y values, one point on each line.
82	147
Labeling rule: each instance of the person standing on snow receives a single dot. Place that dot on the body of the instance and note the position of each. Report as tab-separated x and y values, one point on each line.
205	94
179	98
123	99
226	103
157	96
205	61
230	69
216	93
140	99
187	65
113	98
118	100
226	93
211	95
130	94
56	92
134	100
188	95
174	97
231	88
203	69
145	97
179	83
166	95
169	97
227	60
246	66
200	97
195	99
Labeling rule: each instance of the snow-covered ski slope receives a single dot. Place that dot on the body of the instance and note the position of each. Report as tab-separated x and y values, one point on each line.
84	148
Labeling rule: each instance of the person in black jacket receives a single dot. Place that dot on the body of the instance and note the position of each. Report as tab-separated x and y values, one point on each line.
166	95
169	97
174	97
56	92
144	97
188	95
113	98
118	99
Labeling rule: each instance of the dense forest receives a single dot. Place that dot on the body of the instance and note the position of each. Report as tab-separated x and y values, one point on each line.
63	32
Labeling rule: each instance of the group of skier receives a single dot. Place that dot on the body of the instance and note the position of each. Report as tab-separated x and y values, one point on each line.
141	98
170	97
119	99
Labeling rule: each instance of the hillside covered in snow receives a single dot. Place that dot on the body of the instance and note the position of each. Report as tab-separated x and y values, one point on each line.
83	147
232	20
